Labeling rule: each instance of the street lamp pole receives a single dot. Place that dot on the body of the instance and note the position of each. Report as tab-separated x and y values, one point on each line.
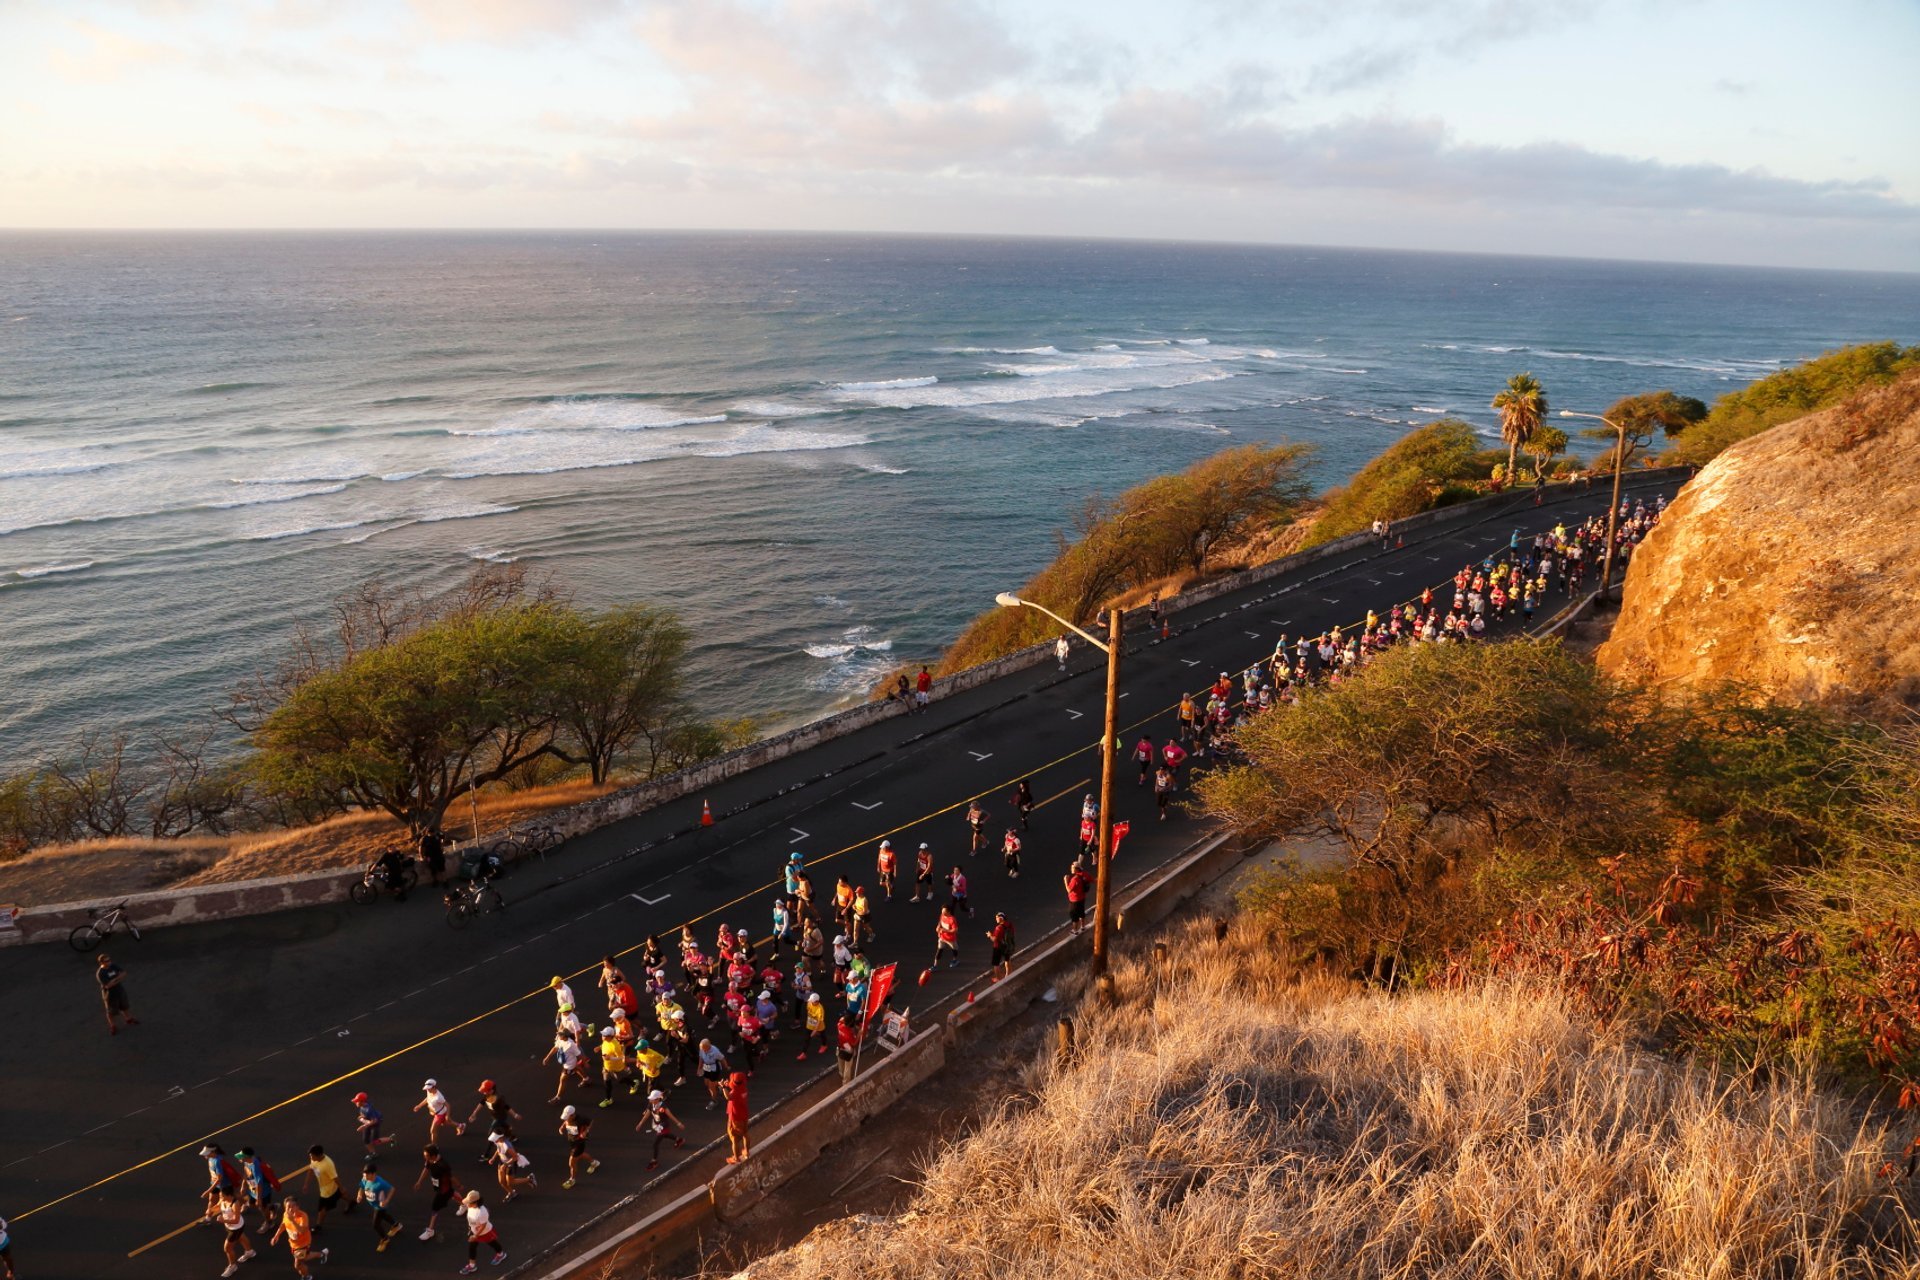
1613	507
1103	850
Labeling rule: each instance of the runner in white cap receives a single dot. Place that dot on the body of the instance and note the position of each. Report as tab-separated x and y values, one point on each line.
439	1111
574	1127
479	1231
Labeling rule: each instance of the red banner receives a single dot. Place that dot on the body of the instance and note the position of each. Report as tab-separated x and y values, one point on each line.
1119	833
879	987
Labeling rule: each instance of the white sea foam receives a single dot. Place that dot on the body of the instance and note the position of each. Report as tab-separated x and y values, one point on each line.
853	640
881	469
1427	408
273	491
886	384
778	409
543	453
1193	342
48	570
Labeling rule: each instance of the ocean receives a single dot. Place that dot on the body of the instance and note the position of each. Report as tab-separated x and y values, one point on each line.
827	452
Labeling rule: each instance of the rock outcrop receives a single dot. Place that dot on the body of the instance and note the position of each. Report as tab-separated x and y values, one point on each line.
1790	563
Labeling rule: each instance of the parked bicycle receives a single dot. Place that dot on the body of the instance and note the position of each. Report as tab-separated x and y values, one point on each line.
518	845
385	873
104	924
472	898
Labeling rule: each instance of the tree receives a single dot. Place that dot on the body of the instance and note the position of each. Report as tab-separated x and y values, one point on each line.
409	724
1546	444
1523	406
1186	515
1429	768
619	682
1632	422
1415	473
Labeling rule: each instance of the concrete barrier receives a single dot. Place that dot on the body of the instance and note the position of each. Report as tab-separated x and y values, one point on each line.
196	905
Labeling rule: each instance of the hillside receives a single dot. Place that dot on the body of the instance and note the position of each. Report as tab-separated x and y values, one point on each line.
1788	564
1233	1118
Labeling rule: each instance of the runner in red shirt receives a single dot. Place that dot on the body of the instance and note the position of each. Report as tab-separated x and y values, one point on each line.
922	689
1077	883
946	938
735	1090
886	867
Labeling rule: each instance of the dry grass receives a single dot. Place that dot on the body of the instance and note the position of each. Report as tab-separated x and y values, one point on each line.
109	868
1233	1120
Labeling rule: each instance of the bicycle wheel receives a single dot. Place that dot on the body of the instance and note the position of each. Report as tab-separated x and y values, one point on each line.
459	915
363	893
84	938
409	877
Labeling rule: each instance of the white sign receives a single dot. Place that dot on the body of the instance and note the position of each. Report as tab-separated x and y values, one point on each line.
894	1031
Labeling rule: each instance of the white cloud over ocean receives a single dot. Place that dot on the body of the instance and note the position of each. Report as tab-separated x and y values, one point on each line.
1704	130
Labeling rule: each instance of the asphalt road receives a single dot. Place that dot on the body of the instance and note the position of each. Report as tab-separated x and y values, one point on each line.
259	1031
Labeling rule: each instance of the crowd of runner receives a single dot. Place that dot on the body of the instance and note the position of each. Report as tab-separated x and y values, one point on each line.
702	1017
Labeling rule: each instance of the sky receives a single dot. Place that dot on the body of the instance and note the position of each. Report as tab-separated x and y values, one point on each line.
1774	132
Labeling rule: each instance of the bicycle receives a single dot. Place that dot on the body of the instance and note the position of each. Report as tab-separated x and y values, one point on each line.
476	896
89	935
375	878
533	842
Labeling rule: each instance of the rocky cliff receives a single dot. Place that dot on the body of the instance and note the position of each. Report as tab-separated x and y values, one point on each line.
1791	563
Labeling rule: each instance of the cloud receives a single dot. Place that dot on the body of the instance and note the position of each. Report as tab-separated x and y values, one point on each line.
505	20
105	55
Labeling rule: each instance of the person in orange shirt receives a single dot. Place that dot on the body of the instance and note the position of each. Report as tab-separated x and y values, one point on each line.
299	1233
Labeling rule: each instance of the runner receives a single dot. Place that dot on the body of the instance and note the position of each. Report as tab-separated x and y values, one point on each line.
574	1128
6	1249
1190	713
977	828
1143	756
479	1231
922	873
782	925
1001	936
863	930
1060	651
566	1052
223	1175
439	1111
1163	789
713	1069
508	1161
326	1183
815	1022
957	891
263	1188
562	998
1023	801
498	1108
885	867
367	1123
1010	853
922	689
735	1090
436	1171
1077	882
293	1225
113	995
230	1211
377	1193
662	1124
614	1067
946	938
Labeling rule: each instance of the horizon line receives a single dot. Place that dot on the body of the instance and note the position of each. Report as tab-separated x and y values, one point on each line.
1083	238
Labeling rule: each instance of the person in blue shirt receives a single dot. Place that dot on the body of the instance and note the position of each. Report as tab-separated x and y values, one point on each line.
782	925
223	1175
377	1193
263	1188
368	1124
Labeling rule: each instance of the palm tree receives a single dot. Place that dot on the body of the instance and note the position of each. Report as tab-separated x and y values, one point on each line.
1522	405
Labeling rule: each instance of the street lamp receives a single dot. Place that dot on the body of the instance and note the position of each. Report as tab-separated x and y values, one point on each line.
1103	850
1613	507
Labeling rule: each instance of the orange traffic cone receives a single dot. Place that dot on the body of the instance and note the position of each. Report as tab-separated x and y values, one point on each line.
706	814
1399	542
